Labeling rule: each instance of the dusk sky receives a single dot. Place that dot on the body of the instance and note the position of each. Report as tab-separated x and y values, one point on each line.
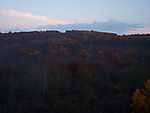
33	13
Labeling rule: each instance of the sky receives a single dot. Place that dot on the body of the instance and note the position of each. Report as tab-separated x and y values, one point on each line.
29	14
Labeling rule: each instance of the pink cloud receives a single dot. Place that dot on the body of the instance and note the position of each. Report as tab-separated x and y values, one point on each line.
145	30
10	18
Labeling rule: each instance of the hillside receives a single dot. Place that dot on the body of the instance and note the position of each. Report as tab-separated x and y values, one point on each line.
71	72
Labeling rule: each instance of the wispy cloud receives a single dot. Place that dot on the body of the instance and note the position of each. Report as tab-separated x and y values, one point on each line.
10	18
139	30
14	20
109	26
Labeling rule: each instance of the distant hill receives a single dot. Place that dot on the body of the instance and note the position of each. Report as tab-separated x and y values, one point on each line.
108	26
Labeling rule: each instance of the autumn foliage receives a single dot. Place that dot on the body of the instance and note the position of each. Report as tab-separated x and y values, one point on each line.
141	99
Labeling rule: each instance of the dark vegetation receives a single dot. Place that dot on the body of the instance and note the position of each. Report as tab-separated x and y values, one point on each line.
71	72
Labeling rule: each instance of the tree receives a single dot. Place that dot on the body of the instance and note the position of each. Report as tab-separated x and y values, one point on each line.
140	100
147	93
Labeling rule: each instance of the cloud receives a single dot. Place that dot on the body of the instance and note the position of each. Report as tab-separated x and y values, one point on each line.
10	19
145	30
14	20
109	26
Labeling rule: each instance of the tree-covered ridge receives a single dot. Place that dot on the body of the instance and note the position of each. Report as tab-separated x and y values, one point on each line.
71	72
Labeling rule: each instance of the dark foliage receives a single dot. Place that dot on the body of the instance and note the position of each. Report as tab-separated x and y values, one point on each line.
72	72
